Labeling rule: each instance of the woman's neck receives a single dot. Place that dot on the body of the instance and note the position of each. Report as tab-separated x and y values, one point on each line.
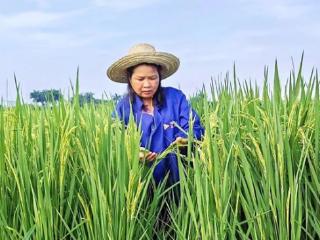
148	105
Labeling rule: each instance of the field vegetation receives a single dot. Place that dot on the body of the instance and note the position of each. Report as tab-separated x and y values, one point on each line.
73	172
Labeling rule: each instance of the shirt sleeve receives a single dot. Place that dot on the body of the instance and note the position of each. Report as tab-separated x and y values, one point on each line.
120	112
184	114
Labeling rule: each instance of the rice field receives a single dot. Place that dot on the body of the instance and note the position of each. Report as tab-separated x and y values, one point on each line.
71	172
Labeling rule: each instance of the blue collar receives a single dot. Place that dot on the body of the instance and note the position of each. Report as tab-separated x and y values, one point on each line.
138	104
137	109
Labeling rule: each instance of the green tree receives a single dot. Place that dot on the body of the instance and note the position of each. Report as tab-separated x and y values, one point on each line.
86	97
46	96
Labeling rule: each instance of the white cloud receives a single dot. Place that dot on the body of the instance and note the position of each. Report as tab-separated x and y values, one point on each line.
41	3
124	5
33	27
56	40
67	40
35	19
279	9
29	19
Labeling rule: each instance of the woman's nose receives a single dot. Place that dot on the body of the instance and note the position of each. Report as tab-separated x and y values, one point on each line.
146	84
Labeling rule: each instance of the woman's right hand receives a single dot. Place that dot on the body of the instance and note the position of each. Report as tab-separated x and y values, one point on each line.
145	154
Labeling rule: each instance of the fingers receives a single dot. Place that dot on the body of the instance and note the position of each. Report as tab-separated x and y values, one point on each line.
150	156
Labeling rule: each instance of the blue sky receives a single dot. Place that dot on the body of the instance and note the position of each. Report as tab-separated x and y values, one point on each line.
43	41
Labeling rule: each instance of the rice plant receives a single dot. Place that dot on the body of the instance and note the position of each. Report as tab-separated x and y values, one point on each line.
73	172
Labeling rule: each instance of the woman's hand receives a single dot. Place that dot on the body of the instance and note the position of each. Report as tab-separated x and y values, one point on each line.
146	154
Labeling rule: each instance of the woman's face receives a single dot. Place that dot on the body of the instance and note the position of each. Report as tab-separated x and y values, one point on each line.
145	80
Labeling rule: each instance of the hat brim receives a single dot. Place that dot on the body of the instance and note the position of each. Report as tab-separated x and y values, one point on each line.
169	63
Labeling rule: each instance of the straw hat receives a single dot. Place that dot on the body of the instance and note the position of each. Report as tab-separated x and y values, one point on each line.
143	53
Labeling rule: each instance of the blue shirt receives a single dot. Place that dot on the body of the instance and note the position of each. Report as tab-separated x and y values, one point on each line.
158	131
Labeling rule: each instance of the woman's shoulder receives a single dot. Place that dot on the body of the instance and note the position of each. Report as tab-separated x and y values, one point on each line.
123	102
124	99
172	92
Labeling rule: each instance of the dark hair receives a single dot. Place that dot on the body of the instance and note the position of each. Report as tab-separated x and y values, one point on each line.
131	93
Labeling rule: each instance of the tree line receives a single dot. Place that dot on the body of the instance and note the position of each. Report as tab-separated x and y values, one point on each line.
48	96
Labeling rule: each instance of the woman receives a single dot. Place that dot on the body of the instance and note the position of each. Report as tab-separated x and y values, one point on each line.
157	108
